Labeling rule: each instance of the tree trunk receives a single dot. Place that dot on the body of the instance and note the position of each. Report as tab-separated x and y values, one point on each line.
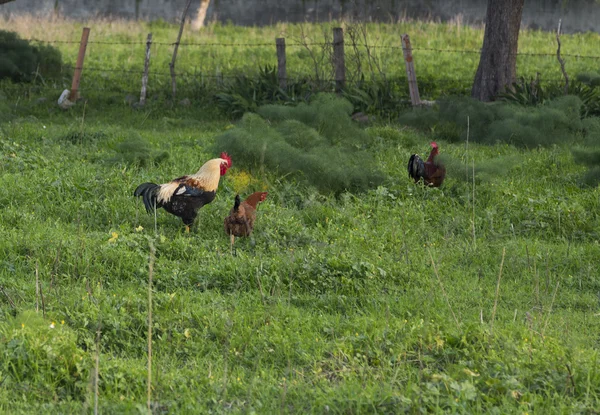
5	1
498	61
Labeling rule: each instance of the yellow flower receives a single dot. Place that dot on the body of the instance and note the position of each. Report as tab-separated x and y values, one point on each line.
22	325
186	333
241	180
62	322
114	237
52	325
139	228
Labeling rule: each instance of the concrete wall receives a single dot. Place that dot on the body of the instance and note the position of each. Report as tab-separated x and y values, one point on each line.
577	15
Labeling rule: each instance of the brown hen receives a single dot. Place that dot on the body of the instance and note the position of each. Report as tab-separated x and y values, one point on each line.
242	216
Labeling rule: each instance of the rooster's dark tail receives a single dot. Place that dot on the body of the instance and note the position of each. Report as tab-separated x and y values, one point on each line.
416	167
236	205
148	192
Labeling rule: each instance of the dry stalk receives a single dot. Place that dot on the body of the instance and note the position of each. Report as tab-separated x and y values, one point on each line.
55	264
570	378
497	290
7	297
443	290
550	309
326	52
97	370
467	151
37	289
150	275
473	212
43	303
262	294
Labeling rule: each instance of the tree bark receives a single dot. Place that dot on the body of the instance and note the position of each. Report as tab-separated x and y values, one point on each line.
498	61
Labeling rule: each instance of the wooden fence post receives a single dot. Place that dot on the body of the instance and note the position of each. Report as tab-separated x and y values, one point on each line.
146	67
74	94
410	71
338	58
281	69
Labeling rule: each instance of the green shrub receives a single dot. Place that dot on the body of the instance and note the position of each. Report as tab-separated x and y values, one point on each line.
317	143
589	78
43	356
556	121
589	157
22	62
136	151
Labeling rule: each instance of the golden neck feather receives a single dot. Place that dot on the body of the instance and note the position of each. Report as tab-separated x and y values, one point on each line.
209	174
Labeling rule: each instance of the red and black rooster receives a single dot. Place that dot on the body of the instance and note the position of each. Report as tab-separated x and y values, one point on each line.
184	195
431	171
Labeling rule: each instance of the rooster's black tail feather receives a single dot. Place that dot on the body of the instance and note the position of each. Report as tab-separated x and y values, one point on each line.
148	192
416	167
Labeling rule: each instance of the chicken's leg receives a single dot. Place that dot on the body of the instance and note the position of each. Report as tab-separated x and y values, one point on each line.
187	229
232	239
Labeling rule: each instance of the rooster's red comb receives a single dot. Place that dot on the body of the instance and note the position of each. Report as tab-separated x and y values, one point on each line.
433	144
225	156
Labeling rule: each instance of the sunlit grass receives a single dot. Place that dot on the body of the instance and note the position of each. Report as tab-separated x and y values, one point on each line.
332	306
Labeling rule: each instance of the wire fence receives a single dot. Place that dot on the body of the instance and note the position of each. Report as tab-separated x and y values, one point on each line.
126	77
299	44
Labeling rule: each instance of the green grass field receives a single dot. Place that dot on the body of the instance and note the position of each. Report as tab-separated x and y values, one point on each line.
479	297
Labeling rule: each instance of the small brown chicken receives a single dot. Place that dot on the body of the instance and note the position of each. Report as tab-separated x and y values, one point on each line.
240	221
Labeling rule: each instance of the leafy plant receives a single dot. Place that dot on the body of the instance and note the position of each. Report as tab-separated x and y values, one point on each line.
246	93
22	62
532	93
385	98
525	92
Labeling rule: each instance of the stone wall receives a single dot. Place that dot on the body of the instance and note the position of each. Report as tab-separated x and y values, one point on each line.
577	15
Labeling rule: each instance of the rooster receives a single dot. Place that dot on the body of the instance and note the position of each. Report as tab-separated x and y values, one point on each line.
240	221
184	195
432	171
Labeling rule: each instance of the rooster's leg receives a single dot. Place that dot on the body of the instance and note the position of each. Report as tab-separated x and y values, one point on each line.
232	239
187	229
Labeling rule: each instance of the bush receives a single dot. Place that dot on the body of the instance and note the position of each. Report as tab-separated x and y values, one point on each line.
22	62
556	121
136	151
44	356
317	143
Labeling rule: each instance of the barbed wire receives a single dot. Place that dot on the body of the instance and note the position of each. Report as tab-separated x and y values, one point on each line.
290	77
306	44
